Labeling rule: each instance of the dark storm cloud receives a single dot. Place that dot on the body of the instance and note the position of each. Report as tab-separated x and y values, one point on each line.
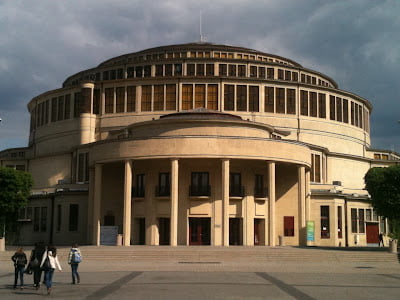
354	42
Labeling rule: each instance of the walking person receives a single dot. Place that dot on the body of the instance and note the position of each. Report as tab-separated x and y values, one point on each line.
34	263
381	240
74	258
49	264
20	261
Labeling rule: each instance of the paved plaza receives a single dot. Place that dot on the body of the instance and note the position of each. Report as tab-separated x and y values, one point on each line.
136	278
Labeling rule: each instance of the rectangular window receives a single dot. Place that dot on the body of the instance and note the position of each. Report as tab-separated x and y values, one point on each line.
321	106
171	97
355	114
338	109
164	185
354	220
253	98
241	98
139	190
232	70
295	76
130	98
36	219
190	69
120	99
280	74
288	225
146	98
113	75
54	109
159	70
242	70
46	115
43	219
223	70
304	103
67	107
96	101
270	73
200	96
177	69
187	97
235	185
340	222
59	215
210	69
315	174
109	100
77	104
168	70
291	101
332	108
325	232
81	167
259	191
313	104
139	71
73	217
158	97
261	72
253	71
280	100
229	97
352	113
200	184
368	215
200	69
360	116
212	96
130	72
269	99
288	75
345	111
361	220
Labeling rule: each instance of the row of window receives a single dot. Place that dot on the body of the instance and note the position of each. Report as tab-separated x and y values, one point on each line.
163	97
208	70
200	185
38	216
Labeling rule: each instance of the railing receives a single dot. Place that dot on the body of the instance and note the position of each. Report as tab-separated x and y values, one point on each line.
260	192
138	193
236	191
203	190
163	191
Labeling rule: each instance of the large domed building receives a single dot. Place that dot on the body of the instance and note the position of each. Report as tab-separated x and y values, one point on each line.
199	144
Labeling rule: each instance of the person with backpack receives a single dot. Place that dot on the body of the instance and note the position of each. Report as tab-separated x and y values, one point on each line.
74	258
34	263
49	264
20	261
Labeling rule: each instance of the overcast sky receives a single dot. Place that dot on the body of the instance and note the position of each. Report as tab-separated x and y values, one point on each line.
357	43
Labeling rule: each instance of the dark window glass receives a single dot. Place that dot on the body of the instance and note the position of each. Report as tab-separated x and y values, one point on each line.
73	217
253	71
120	74
288	75
280	74
106	75
270	73
187	97
338	109
313	104
269	99
200	69
147	71
232	70
67	110
113	74
325	232
168	70
130	98
96	101
354	220
139	190
200	96
340	222
261	72
235	185
345	111
223	70
304	103
229	97
130	72
280	100
295	76
54	104
321	106
332	107
242	70
120	99
43	219
77	104
59	214
159	70
212	96
190	69
259	190
158	97
178	70
146	98
209	69
164	184
291	101
200	184
36	219
241	98
109	100
171	97
361	224
253	98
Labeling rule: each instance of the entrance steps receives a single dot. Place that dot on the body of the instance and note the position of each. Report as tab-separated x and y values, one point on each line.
188	254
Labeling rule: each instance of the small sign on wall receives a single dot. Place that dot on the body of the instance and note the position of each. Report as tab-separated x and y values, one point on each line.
108	235
310	231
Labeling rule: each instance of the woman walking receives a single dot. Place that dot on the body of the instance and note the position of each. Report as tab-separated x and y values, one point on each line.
74	258
34	263
49	264
20	261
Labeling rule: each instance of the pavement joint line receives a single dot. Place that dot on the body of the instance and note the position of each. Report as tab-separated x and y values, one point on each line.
113	287
390	276
290	290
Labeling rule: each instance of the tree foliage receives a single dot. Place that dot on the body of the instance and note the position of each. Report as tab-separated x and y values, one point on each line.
15	187
383	184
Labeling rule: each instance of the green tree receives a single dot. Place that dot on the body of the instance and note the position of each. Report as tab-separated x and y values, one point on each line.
383	184
15	188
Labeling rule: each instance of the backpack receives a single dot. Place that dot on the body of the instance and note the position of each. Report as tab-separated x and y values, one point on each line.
20	260
76	257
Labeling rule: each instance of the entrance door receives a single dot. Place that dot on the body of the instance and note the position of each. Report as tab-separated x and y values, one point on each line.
372	233
142	231
235	231
199	231
259	232
164	231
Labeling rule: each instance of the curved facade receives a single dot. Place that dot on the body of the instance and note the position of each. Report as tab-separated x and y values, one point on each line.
200	144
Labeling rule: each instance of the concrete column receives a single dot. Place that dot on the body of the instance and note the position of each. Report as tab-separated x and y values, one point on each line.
174	202
302	205
225	201
97	204
127	203
271	199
